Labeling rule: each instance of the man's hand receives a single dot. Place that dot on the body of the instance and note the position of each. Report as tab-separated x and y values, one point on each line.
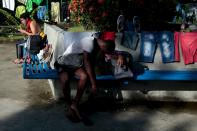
22	31
90	72
120	60
94	89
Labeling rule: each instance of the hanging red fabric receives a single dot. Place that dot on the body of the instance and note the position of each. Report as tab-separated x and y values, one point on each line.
188	42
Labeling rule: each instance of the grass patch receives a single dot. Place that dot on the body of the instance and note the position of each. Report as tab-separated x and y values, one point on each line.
77	28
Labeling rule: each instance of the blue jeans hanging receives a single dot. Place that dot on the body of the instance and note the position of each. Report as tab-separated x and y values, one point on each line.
149	41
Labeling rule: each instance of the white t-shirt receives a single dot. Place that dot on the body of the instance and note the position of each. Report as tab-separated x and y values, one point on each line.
85	44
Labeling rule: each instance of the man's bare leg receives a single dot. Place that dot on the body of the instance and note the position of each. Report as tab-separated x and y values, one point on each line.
64	78
80	90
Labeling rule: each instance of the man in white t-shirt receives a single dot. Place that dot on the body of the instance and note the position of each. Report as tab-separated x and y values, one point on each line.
89	46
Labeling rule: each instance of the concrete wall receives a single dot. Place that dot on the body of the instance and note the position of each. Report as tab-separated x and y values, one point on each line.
160	90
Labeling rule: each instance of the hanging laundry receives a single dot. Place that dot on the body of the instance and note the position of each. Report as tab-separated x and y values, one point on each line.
129	25
120	23
38	2
176	46
42	13
20	10
188	42
23	1
9	4
130	39
55	11
29	4
149	41
64	10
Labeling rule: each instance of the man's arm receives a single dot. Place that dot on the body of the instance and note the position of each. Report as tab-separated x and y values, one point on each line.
118	57
90	70
33	29
120	60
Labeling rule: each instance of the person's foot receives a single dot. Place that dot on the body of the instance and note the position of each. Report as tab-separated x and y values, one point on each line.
18	61
28	60
72	117
73	109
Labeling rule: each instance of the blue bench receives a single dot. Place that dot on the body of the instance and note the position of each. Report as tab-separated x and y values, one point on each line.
38	70
41	70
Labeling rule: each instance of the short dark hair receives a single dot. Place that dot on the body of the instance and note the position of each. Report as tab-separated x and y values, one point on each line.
110	45
25	16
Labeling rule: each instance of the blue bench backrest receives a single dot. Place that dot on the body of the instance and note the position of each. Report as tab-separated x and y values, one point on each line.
41	70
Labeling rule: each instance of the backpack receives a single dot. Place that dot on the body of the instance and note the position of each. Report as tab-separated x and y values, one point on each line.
34	44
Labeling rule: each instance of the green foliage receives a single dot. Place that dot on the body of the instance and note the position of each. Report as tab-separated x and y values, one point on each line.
76	29
10	19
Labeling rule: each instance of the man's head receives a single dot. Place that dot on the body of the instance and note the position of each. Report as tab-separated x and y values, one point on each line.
23	18
106	42
106	46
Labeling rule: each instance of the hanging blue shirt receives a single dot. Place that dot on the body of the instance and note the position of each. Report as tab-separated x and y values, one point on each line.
42	13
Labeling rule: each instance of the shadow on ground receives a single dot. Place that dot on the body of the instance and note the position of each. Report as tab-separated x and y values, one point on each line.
106	114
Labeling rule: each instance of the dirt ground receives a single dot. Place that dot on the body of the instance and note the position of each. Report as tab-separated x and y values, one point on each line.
13	84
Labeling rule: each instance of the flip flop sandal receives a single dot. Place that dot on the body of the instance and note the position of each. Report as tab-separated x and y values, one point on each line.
16	61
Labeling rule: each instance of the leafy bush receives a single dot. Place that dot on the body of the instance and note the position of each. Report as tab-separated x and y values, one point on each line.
102	14
94	14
